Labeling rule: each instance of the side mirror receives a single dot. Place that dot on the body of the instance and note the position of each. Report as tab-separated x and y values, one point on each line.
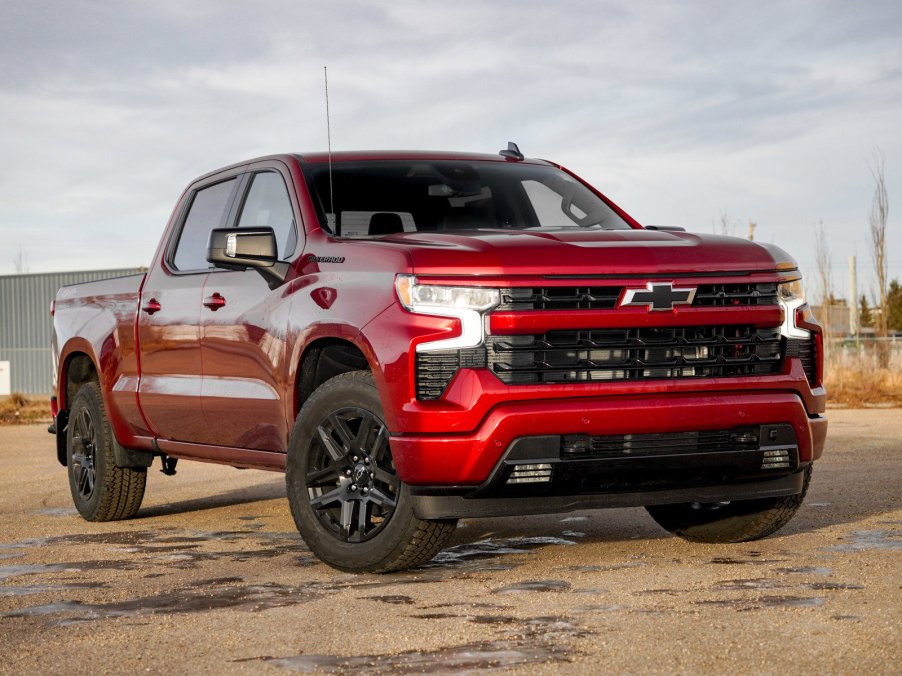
243	248
666	228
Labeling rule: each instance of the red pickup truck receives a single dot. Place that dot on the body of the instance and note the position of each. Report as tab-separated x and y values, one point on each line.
416	337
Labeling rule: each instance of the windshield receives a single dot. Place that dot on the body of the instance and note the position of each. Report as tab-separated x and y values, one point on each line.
378	198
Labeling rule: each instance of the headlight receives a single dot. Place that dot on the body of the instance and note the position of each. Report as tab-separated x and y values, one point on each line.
792	297
791	290
415	296
466	303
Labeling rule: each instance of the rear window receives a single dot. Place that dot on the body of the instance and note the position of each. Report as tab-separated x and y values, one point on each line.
382	198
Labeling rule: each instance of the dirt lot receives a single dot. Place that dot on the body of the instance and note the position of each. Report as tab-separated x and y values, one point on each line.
212	576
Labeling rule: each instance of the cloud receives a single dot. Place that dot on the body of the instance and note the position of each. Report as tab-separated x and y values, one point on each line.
678	111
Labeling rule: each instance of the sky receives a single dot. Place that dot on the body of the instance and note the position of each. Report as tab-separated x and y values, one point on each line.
681	112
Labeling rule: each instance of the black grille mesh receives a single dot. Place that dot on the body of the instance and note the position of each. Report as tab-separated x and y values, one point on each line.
605	297
635	354
435	370
806	350
649	445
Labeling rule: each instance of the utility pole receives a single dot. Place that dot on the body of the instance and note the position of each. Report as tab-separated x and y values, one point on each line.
853	299
752	226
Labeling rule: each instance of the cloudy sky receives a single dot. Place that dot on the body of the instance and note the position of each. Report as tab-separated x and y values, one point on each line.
679	111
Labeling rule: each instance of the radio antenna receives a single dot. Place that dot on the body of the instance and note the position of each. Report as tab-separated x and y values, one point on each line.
329	142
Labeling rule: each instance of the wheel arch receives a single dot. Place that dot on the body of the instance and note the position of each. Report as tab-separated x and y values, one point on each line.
77	366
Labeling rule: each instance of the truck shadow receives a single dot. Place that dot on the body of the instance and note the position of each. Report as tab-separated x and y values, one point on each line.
269	490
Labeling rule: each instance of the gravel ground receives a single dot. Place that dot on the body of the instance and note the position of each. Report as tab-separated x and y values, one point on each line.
212	576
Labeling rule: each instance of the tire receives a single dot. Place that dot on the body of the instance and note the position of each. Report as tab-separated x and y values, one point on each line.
100	490
346	499
741	521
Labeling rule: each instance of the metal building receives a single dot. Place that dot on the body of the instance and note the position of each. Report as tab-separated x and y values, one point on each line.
25	323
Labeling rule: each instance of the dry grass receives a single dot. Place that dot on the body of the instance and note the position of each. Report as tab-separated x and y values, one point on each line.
861	384
17	409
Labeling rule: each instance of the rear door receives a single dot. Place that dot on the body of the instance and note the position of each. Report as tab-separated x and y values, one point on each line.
169	336
246	390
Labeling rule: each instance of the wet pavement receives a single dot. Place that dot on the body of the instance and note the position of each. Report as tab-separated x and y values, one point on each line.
212	576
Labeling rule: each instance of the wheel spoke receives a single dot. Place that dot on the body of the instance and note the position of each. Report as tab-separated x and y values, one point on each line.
331	448
385	477
326	499
320	475
361	518
347	513
363	433
341	428
380	444
378	497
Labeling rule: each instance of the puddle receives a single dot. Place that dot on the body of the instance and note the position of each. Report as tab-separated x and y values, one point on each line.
756	583
649	592
57	511
534	586
730	560
573	519
808	570
436	616
832	585
766	602
793	601
598	608
467	555
394	599
252	598
573	534
28	590
601	569
535	641
590	591
493	619
862	540
853	618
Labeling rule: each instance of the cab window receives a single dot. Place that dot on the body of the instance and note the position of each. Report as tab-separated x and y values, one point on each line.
268	205
208	211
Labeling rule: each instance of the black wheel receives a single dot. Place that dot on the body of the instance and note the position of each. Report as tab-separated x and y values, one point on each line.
345	496
101	491
741	521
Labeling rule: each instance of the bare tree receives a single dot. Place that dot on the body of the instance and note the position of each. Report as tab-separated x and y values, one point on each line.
823	262
878	220
723	226
20	262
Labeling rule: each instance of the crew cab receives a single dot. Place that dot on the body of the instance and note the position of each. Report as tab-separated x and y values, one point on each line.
417	337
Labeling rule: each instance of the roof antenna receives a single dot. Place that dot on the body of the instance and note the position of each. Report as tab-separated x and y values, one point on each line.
512	152
329	142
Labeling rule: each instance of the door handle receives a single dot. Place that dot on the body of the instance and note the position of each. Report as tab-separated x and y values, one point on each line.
214	302
151	306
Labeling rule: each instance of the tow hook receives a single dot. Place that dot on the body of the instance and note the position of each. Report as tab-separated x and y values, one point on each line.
168	465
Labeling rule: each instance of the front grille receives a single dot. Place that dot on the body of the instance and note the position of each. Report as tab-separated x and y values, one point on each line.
605	297
635	354
806	350
649	445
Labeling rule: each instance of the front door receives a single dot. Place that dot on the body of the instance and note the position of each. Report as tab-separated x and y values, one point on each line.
246	392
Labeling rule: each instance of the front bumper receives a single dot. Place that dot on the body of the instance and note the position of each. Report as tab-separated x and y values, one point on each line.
468	460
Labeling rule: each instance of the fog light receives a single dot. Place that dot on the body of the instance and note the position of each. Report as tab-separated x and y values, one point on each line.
530	473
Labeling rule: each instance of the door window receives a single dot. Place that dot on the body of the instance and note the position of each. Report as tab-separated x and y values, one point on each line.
208	211
268	205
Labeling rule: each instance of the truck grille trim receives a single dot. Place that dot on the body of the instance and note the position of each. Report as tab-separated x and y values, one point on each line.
649	445
806	350
434	370
605	297
635	354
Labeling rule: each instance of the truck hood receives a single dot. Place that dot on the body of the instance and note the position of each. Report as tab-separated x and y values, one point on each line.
584	252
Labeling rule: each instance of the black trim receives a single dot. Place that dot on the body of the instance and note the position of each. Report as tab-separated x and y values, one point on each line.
443	506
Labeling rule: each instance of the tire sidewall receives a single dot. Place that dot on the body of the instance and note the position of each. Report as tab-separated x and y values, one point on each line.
348	390
88	397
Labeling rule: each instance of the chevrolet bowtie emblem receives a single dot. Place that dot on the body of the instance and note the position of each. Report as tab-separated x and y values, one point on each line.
658	296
